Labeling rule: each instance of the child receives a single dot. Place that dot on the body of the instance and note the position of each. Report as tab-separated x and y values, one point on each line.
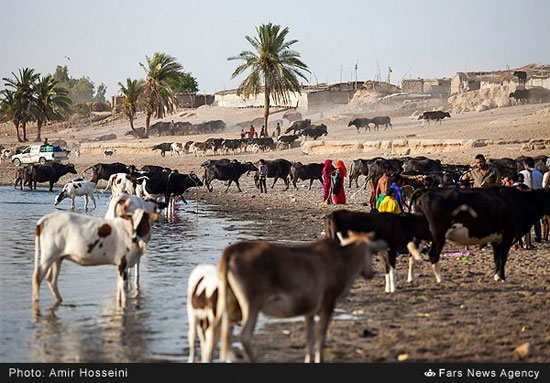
263	175
389	203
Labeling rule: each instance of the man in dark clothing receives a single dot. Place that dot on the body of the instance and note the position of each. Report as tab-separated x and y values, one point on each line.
263	176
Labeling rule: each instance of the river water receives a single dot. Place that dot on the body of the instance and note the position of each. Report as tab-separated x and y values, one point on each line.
88	326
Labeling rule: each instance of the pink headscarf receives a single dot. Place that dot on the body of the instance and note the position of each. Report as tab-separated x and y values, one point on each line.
328	168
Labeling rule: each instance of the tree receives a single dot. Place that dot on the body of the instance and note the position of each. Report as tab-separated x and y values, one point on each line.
272	65
10	110
22	98
100	93
131	93
159	96
184	83
82	91
51	102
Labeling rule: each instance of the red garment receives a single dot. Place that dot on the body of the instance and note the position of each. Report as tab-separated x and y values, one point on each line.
327	174
339	195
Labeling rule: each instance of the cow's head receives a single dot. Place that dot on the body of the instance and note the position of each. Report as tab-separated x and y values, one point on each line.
195	179
364	244
71	169
447	114
140	227
60	197
351	123
250	167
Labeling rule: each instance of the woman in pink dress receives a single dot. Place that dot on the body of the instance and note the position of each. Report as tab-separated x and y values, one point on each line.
327	183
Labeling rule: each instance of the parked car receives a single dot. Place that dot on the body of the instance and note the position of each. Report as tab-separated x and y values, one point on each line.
39	154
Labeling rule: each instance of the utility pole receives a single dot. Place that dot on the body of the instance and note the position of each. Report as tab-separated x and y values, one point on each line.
341	68
356	64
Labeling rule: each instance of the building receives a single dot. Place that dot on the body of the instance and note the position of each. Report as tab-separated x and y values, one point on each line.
437	87
193	100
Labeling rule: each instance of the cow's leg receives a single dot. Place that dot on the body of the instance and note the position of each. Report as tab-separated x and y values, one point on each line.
51	185
52	277
414	250
239	186
392	255
310	337
496	259
434	253
40	271
93	199
228	184
249	318
122	280
191	338
275	180
136	275
287	183
86	202
310	183
324	321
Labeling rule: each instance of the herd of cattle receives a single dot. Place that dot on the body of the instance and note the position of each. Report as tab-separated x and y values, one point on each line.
283	281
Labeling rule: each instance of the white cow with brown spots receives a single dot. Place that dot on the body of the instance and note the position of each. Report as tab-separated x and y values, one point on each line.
288	281
120	183
88	241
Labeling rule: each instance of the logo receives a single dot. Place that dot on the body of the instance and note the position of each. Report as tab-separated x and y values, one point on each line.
429	373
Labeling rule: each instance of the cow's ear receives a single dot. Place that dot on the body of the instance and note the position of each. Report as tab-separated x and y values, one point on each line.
125	206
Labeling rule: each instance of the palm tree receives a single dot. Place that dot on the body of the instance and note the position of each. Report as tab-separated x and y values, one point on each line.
51	102
131	93
159	96
23	88
10	110
272	65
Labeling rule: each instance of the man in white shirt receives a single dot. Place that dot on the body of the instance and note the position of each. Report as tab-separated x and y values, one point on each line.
533	179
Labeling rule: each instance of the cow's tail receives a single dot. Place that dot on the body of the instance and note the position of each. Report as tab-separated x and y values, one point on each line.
330	227
222	318
85	170
35	275
110	183
414	204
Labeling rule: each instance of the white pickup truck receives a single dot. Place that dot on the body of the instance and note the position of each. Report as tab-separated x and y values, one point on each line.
39	154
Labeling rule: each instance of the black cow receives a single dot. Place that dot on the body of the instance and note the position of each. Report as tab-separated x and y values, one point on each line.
505	166
287	140
520	96
437	115
382	120
499	215
279	168
400	232
262	143
168	184
225	170
315	131
161	128
522	76
48	173
311	172
154	169
215	143
164	147
360	167
231	145
298	126
421	165
376	169
103	171
361	123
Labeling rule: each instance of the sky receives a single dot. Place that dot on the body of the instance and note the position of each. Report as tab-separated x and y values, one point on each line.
106	40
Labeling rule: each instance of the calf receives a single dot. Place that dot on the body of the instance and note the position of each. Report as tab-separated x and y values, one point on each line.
109	153
315	131
287	140
298	126
361	123
77	188
164	147
499	216
288	281
437	115
6	153
521	75
103	171
22	177
398	232
120	183
520	96
202	304
77	153
279	168
201	147
88	241
176	149
225	170
311	172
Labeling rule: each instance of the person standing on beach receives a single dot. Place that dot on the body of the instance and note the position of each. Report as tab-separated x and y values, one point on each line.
338	193
278	130
328	169
252	131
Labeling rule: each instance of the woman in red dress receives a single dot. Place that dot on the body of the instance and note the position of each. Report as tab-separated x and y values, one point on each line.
338	194
327	172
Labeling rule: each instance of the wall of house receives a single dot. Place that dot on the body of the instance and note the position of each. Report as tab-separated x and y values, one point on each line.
231	100
412	86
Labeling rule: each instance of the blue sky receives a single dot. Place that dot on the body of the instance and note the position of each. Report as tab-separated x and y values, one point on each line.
106	40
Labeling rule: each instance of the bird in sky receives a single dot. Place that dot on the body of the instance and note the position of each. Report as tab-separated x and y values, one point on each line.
68	58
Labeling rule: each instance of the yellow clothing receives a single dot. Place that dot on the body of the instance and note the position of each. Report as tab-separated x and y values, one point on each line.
389	205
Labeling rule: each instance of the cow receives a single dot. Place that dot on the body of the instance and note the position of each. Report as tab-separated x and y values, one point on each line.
121	183
437	115
202	147
164	147
315	131
381	120
287	140
398	232
377	168
231	145
521	75
61	235
361	123
226	171
279	168
76	188
77	153
359	167
499	216
104	171
288	281
506	166
6	154
311	172
109	153
202	304
22	177
48	173
176	149
168	184
161	128
520	96
421	165
154	169
298	126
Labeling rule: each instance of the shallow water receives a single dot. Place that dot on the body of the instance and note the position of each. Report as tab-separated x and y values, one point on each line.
88	326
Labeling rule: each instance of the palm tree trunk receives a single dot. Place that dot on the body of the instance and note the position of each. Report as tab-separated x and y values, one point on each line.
147	122
266	107
133	129
24	128
39	131
17	131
